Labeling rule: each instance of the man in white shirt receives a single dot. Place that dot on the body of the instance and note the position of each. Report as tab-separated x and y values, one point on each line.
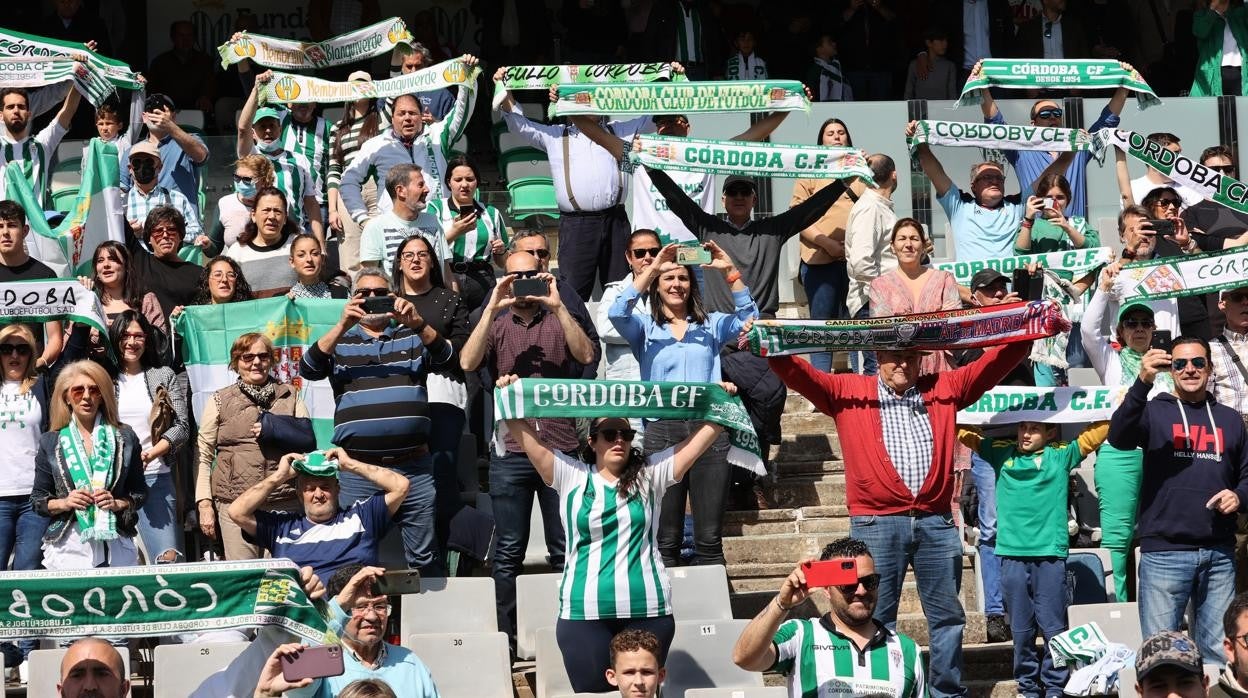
32	152
406	189
868	230
1141	186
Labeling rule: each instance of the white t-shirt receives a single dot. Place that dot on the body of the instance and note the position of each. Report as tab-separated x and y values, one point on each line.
20	427
650	208
234	215
134	407
382	235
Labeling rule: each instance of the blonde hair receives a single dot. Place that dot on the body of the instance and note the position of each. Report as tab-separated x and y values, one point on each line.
24	333
243	343
261	166
367	688
59	406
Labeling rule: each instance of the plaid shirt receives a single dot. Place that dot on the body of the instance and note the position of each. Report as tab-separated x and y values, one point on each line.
908	436
138	205
1228	384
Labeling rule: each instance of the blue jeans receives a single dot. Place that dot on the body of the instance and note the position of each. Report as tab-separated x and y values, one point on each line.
158	526
863	362
415	514
989	565
826	286
1076	355
1035	594
930	544
513	480
21	535
448	428
1168	579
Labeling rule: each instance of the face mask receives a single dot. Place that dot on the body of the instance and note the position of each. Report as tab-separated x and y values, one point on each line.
144	171
247	190
272	148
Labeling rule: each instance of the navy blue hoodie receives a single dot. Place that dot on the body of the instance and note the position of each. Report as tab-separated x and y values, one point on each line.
1186	462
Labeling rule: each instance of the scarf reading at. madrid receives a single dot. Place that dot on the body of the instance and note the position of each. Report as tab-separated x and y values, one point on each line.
536	398
681	98
272	52
160	600
752	159
1056	75
949	329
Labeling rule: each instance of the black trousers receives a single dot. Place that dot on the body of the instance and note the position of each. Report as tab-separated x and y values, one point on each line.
592	247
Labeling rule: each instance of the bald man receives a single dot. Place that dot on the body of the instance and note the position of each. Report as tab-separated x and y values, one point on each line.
92	668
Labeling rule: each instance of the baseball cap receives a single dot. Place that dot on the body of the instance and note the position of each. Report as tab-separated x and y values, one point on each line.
1122	312
316	465
158	100
986	277
360	75
265	113
1167	648
738	181
145	148
1227	291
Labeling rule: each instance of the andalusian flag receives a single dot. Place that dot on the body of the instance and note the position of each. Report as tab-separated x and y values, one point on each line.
208	332
97	215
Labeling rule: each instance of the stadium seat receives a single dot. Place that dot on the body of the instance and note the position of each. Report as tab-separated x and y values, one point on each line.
701	657
1086	574
1126	682
67	174
1082	377
456	605
1120	622
466	665
180	668
191	117
63	199
69	148
552	678
700	593
537	606
532	196
519	168
45	671
756	692
1107	569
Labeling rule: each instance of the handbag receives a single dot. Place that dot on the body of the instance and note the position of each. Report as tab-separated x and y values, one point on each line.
162	416
286	433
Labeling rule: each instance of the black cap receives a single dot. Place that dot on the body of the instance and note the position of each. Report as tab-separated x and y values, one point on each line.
736	180
986	277
159	100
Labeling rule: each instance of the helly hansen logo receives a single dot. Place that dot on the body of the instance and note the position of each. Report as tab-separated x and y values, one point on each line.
1201	438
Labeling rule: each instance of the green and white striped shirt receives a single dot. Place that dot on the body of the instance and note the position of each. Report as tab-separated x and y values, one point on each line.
820	662
34	155
473	245
292	174
741	67
613	568
312	142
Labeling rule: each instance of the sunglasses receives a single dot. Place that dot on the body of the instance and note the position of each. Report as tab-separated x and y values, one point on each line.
738	191
261	356
540	254
10	349
525	274
611	435
1133	323
1049	113
76	392
642	252
239	179
1229	298
1199	363
366	292
1170	201
166	231
1224	169
871	582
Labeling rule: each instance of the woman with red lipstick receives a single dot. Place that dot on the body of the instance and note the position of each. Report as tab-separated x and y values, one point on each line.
309	265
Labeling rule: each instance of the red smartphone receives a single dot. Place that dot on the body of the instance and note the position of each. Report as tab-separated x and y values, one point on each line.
313	663
839	571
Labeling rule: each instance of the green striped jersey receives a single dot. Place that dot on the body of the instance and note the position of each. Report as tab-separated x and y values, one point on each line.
33	155
292	174
473	245
312	142
820	662
612	568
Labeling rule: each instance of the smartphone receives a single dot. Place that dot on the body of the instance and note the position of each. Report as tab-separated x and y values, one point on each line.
1162	339
1045	203
313	663
1161	226
1028	287
466	210
691	254
838	571
529	287
398	582
378	305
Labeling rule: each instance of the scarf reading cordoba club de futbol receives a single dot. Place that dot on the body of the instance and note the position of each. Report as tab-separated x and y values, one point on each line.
681	98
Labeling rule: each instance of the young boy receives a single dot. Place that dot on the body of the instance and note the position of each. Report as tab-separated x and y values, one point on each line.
111	129
1033	474
635	666
824	77
745	65
941	81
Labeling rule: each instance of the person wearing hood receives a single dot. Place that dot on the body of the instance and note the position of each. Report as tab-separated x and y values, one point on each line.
1234	677
1195	480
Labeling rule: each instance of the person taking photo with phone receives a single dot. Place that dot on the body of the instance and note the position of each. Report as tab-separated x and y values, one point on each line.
839	648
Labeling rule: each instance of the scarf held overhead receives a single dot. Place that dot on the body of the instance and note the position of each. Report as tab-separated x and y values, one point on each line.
287	54
161	600
1059	74
681	98
1188	275
295	89
752	159
1212	185
15	44
1004	137
943	330
1008	405
536	398
40	72
544	77
1077	262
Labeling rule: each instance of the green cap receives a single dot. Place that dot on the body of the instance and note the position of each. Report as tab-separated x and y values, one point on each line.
317	465
266	113
1133	306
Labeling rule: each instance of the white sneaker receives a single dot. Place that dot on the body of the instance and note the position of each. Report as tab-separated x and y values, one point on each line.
23	672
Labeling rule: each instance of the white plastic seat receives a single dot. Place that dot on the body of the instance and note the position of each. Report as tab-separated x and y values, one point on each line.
552	677
1120	622
455	605
45	671
701	657
537	606
191	117
179	668
466	665
700	593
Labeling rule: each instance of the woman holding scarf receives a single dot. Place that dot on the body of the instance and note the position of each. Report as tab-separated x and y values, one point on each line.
88	475
474	231
681	342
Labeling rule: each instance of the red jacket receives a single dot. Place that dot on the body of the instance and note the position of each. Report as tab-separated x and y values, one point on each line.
871	480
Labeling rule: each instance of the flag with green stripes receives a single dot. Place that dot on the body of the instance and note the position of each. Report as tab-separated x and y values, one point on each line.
208	332
95	216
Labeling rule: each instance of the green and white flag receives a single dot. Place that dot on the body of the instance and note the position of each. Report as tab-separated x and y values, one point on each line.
537	398
14	44
1186	275
287	88
1079	647
30	73
50	299
1008	405
97	215
1077	262
1004	137
1213	185
752	159
288	54
681	98
1060	74
160	600
544	77
208	331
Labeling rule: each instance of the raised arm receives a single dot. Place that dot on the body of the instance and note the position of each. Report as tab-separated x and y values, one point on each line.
475	349
756	649
451	129
678	202
931	166
761	129
242	511
542	458
1092	437
692	448
1124	178
1097	345
65	116
393	485
245	140
596	133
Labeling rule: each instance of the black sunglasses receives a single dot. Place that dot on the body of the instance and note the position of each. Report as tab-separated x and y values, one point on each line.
366	292
1133	323
1170	201
871	582
1198	362
641	252
525	274
540	254
1049	113
612	434
739	191
19	349
1224	169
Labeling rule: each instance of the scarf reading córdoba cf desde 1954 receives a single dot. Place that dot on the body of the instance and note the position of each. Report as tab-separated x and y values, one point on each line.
1055	75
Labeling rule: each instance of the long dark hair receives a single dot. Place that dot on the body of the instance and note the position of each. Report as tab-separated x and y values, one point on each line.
849	137
251	230
151	347
372	121
242	289
130	293
629	482
1053	179
396	268
693	307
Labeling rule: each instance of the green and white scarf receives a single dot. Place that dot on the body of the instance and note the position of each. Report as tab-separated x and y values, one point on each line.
41	72
294	89
544	77
287	54
1060	74
752	159
1077	262
15	44
1211	184
681	98
1131	360
537	398
949	329
1079	646
1004	137
1186	275
90	472
158	600
1010	405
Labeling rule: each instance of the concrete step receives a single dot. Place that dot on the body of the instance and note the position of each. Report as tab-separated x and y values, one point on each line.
806	423
750	594
808	490
992	689
806	447
796	403
785	548
793	466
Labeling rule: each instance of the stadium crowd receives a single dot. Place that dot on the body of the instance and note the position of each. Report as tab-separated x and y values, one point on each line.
108	460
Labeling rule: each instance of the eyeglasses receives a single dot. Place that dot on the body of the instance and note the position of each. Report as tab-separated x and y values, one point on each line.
381	609
1170	201
366	292
643	252
1224	169
76	392
262	356
540	254
136	336
10	349
612	435
166	231
227	275
1135	323
1050	113
239	179
409	256
1198	362
871	582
